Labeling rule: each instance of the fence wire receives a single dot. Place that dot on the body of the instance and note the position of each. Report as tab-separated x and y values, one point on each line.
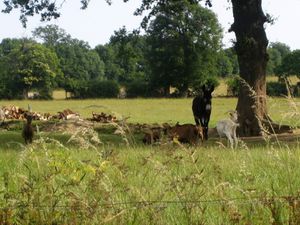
164	203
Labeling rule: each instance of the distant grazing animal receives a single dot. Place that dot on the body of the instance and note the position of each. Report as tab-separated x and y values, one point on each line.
202	108
186	133
227	127
27	129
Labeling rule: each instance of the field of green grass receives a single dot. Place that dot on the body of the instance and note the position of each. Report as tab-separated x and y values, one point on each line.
102	178
152	110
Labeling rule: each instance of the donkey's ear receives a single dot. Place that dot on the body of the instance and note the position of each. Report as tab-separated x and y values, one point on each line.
212	88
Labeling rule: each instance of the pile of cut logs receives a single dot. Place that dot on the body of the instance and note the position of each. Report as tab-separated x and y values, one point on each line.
17	113
13	112
67	114
103	118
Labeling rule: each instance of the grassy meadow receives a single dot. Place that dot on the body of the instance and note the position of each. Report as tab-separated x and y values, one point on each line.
155	110
97	177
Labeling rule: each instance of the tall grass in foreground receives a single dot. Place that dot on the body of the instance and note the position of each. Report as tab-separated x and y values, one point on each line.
84	181
49	183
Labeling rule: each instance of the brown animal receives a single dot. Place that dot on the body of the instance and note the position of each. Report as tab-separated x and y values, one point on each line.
187	133
152	136
27	129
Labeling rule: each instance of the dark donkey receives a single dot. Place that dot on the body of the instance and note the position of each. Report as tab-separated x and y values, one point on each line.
202	109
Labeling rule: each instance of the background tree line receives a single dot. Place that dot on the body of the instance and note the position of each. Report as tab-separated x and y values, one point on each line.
181	48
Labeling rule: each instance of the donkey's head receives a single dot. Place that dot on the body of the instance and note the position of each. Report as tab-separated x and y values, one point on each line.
207	92
207	96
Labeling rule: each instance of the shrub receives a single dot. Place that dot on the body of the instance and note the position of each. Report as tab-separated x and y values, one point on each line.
78	88
44	94
102	89
276	89
233	84
212	81
296	90
137	88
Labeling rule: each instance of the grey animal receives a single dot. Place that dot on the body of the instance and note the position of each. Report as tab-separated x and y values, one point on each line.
227	128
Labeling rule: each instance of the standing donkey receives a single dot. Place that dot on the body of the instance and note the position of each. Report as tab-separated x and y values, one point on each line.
202	108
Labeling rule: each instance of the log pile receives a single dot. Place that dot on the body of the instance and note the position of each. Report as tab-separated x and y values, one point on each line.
41	116
13	112
103	118
67	114
17	113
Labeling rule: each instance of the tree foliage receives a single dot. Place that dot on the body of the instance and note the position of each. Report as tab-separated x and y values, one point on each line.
290	65
227	63
47	9
50	9
183	40
274	60
78	62
128	53
51	35
228	59
107	55
28	65
282	48
276	51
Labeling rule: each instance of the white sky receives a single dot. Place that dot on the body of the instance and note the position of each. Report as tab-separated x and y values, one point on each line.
98	22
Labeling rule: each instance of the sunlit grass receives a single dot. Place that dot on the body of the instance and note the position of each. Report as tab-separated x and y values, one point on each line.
169	185
150	110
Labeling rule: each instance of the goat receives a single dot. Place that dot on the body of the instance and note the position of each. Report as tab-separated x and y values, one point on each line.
27	129
152	136
227	127
186	133
202	108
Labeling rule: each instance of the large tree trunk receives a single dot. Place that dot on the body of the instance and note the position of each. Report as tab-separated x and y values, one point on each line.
251	48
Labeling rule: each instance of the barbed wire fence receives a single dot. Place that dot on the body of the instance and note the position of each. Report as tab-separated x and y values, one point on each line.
160	203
